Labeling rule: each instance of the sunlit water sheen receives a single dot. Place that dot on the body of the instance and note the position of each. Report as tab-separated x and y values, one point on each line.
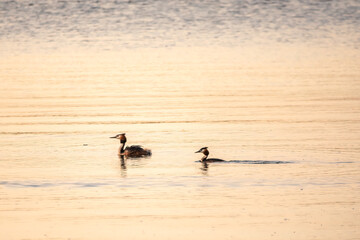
272	87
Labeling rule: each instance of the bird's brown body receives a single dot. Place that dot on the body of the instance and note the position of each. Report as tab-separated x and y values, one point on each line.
136	151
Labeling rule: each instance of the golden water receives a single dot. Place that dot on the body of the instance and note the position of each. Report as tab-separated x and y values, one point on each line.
61	177
291	101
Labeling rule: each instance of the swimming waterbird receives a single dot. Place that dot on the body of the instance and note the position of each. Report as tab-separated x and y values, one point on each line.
205	158
133	151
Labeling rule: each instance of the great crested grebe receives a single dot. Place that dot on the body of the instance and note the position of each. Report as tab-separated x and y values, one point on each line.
205	158
133	151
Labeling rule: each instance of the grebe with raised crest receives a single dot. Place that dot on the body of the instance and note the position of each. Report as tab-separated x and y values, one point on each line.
205	158
133	151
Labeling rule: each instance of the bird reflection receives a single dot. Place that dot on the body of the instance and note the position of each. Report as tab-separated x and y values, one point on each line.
122	166
204	168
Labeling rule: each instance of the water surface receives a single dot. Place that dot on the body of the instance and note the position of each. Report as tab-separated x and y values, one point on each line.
272	87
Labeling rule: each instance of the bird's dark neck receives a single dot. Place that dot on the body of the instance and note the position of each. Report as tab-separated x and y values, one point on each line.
204	157
122	148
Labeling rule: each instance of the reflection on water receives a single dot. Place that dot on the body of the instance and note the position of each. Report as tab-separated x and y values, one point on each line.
204	168
122	166
219	172
271	84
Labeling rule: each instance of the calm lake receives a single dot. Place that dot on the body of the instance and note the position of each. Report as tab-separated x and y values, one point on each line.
273	87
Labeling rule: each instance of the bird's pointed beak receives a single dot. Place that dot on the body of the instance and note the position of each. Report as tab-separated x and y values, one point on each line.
113	137
198	151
